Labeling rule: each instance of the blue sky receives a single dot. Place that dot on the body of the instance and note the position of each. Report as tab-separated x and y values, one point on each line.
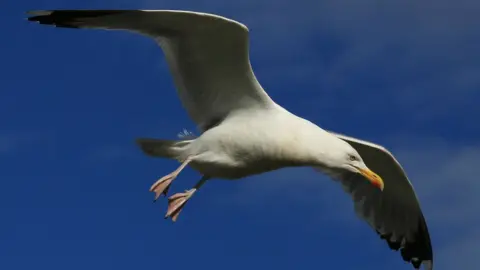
75	187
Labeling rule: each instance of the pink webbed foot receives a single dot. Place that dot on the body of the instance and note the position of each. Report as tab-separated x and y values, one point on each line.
176	203
162	185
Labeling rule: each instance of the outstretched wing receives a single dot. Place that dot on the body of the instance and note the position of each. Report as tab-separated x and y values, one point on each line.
393	213
208	55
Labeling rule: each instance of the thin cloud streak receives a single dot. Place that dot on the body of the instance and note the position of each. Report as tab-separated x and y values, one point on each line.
413	58
440	171
418	58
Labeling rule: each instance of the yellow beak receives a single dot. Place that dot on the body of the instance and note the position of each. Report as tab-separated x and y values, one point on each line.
372	177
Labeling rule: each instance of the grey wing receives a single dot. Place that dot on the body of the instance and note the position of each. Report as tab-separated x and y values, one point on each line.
395	212
208	55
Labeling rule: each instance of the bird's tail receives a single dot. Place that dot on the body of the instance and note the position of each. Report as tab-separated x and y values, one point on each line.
164	148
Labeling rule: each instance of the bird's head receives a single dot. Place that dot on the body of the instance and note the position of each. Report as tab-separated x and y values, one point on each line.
341	156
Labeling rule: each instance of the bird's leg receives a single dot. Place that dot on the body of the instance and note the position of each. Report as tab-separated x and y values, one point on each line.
162	184
177	201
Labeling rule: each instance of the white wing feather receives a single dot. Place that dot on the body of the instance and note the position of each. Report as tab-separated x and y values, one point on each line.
208	56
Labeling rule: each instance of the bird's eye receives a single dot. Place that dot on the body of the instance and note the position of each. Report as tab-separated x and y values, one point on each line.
352	158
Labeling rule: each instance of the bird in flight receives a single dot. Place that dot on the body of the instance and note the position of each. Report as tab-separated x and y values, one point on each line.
244	132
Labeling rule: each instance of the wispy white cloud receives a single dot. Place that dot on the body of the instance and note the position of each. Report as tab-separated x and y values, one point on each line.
444	177
416	56
407	54
443	174
461	253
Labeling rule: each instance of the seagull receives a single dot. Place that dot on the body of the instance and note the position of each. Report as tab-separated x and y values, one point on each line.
244	132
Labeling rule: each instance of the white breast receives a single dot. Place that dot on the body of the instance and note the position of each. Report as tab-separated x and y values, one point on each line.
251	144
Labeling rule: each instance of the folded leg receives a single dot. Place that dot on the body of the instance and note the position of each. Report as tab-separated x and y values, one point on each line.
177	201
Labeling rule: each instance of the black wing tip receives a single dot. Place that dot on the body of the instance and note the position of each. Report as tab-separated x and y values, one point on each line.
417	252
66	18
37	15
49	17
